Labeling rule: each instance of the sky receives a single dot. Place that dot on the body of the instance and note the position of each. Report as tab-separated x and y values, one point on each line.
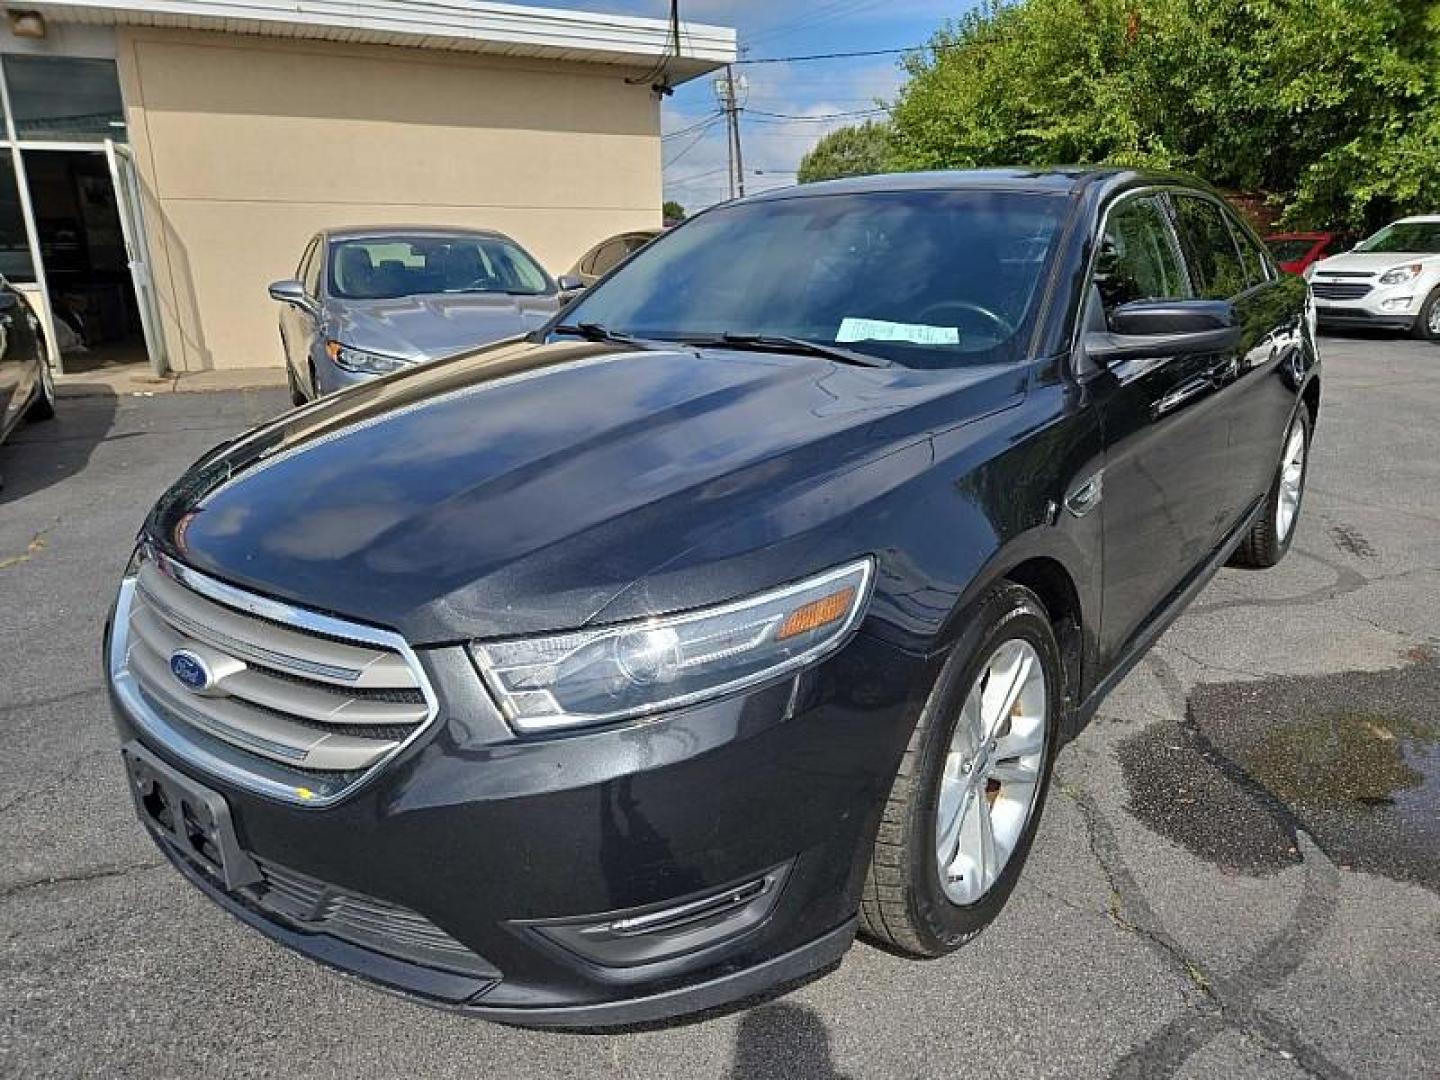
695	162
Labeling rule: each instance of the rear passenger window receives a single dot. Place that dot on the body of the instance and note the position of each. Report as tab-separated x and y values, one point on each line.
1137	258
1210	251
1256	265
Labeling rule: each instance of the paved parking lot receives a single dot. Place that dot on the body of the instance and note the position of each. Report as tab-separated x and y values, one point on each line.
1237	873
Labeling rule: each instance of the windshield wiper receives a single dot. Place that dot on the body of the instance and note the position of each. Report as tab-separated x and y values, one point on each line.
593	331
783	343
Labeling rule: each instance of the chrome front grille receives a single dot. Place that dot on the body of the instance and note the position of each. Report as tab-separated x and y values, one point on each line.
278	699
1339	290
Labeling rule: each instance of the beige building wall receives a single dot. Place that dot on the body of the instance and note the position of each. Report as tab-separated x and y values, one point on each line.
247	145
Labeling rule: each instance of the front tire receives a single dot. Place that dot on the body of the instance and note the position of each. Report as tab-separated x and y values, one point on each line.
1427	323
966	801
1269	538
43	407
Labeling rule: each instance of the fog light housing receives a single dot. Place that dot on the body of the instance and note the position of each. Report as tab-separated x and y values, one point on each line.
1396	303
675	931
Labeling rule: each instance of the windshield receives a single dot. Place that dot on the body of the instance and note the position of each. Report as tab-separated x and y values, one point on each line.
921	278
385	267
1407	237
1290	250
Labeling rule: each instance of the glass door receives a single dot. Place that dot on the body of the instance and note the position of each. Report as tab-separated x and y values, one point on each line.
132	224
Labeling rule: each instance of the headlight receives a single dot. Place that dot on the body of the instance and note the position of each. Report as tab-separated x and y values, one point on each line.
365	363
1309	271
1401	274
631	669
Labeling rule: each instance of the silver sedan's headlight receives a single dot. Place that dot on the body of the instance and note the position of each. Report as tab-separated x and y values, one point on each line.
362	362
631	669
1401	274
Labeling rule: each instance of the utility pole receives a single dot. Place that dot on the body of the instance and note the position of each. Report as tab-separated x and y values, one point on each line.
729	91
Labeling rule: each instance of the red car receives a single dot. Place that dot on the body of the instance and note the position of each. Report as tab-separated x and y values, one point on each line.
1295	251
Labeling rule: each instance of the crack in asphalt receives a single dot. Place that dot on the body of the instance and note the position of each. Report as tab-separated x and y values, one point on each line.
57	699
35	547
94	873
1229	1001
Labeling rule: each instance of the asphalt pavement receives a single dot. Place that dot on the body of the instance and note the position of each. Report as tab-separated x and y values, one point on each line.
1238	873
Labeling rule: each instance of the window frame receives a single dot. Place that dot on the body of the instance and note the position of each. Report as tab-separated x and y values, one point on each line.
1085	371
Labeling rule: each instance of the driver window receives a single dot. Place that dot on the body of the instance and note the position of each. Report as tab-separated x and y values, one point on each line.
1137	258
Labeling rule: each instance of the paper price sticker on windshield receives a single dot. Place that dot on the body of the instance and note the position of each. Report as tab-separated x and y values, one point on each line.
879	330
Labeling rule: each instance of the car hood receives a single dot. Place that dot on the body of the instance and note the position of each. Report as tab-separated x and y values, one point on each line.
426	327
525	487
1370	262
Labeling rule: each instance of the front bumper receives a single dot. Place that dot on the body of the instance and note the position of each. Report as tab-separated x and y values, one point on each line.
493	840
1384	307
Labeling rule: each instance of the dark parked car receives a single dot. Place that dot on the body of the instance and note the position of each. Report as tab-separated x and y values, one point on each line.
605	256
365	302
27	386
1293	252
628	670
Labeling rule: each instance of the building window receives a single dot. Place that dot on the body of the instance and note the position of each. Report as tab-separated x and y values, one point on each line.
15	262
65	99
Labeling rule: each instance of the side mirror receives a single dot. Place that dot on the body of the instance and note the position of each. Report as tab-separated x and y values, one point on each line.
291	292
1150	328
570	283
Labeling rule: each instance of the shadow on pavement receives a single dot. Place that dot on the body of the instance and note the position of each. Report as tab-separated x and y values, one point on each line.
37	455
783	1042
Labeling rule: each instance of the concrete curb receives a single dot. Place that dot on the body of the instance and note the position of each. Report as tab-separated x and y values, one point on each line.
127	382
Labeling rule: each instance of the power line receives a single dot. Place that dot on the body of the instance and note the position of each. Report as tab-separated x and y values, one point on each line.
699	138
938	47
817	117
705	122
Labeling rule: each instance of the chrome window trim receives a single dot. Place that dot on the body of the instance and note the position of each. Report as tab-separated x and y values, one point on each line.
173	740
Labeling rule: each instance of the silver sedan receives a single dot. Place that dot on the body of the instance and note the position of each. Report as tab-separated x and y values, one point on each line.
366	302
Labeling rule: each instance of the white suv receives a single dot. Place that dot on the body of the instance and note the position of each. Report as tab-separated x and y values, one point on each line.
1390	280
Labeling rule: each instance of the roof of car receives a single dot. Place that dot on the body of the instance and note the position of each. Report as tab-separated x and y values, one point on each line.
1059	179
362	232
1419	218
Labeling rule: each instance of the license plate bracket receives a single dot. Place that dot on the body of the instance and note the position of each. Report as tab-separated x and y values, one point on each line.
193	820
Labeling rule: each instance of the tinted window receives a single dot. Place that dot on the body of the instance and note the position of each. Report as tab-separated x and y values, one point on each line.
15	263
1411	237
384	267
65	98
1256	265
924	278
1215	266
1137	258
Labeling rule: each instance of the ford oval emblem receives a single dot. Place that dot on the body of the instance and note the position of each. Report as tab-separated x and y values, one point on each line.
190	670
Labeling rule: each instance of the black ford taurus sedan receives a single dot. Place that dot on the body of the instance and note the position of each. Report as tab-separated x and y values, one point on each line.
630	669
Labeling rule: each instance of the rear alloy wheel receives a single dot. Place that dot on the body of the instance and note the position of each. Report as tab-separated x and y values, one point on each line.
965	804
1427	323
1269	538
43	407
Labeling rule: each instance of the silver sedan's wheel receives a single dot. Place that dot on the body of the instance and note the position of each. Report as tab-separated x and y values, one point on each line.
1292	482
1434	321
992	772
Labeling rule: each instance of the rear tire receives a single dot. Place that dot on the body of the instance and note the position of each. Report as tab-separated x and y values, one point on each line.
1427	323
906	905
1269	538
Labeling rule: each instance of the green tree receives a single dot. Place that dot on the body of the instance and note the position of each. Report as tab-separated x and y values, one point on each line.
849	151
673	211
1329	106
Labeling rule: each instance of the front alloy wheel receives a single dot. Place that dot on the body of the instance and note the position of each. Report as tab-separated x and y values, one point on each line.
992	772
966	800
